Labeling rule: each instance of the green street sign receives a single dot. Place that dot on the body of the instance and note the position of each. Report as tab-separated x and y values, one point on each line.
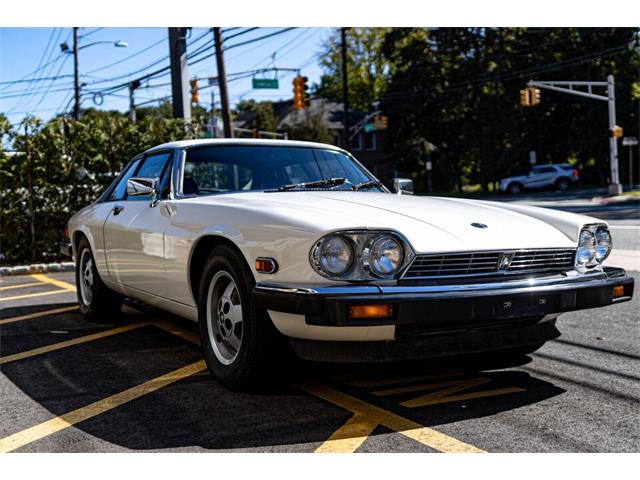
265	83
369	127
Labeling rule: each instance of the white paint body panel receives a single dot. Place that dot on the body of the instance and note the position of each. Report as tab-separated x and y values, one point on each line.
285	225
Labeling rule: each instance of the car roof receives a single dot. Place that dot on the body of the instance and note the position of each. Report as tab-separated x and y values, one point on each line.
241	141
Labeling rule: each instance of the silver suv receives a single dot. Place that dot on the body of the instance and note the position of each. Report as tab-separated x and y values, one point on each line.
558	176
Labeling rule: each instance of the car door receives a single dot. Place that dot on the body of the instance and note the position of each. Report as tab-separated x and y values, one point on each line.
134	230
542	176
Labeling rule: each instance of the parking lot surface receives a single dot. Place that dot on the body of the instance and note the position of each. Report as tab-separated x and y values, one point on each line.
138	383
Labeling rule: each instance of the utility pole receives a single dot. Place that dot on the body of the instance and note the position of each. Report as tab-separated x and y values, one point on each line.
132	106
180	97
222	83
345	89
76	75
616	186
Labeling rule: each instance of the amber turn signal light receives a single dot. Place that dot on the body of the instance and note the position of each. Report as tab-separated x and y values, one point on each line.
618	291
266	265
384	310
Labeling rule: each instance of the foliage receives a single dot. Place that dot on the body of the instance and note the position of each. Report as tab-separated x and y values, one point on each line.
310	126
367	70
58	167
262	114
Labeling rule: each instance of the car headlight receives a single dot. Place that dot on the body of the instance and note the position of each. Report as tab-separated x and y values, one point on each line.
603	244
361	255
333	255
385	256
586	247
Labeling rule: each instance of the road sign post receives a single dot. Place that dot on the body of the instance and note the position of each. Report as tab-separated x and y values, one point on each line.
630	142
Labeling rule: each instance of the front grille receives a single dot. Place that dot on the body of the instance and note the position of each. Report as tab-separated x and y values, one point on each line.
488	263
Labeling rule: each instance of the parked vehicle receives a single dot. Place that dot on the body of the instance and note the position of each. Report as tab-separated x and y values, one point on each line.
278	245
558	176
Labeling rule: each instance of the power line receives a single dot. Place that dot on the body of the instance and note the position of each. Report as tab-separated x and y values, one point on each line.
91	32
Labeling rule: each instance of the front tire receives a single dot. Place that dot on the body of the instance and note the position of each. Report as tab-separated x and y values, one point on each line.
239	342
514	188
97	302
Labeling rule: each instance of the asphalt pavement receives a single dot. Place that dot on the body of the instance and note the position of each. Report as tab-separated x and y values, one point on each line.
138	383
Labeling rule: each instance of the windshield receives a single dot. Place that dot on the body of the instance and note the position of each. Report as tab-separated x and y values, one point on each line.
219	169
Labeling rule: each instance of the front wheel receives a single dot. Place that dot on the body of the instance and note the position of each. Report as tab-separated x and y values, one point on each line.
239	342
97	302
514	188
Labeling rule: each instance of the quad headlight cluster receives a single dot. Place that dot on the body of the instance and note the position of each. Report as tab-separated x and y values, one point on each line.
360	255
594	245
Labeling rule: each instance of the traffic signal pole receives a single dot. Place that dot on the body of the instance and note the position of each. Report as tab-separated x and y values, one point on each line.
570	87
76	76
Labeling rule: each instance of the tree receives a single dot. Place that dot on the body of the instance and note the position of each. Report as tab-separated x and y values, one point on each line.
368	71
260	113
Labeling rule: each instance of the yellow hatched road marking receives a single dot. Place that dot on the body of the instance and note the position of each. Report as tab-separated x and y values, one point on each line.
30	295
21	285
463	384
349	436
427	436
39	314
446	395
81	414
395	381
69	343
53	281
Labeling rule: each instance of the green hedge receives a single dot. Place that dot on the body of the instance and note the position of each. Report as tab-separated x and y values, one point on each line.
48	171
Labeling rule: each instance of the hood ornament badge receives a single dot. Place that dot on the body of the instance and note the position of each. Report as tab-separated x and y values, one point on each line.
479	225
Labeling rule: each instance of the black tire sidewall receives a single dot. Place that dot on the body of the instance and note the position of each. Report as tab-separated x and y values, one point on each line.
243	372
514	188
85	309
562	185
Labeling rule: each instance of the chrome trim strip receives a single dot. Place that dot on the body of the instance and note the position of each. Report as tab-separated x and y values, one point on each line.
429	256
571	278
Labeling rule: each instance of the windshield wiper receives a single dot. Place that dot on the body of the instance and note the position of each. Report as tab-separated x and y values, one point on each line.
369	184
325	182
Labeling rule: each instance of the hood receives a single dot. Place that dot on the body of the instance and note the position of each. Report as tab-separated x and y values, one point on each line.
429	223
519	178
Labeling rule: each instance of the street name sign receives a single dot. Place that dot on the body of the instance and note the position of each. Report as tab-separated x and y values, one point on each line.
265	83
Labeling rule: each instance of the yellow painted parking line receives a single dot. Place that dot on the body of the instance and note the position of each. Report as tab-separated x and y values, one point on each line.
177	331
349	437
20	439
448	394
395	381
427	436
69	343
53	281
31	295
21	285
44	313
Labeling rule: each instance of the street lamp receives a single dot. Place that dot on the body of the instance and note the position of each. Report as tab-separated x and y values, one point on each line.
64	47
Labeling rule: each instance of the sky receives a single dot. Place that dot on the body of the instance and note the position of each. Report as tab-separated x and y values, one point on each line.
34	56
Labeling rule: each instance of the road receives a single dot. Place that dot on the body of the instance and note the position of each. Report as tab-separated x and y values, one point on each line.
138	383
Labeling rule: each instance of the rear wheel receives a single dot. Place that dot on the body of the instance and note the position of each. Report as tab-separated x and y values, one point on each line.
97	302
240	344
514	188
562	184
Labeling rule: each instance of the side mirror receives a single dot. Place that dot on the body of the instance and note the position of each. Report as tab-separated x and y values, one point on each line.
140	187
403	186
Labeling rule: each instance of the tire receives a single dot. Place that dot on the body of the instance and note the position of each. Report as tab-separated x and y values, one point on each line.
97	302
239	342
562	184
514	188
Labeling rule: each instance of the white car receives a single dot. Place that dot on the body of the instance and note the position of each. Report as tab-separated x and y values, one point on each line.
279	245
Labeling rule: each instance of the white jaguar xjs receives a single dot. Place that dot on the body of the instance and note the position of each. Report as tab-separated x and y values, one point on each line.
274	245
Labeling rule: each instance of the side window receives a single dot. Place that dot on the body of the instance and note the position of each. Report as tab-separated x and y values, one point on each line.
154	166
120	190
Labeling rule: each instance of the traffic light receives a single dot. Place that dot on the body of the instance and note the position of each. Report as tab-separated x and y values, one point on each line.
525	99
195	96
300	97
534	96
616	131
380	122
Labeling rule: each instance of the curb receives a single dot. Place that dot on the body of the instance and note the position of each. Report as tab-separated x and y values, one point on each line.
37	268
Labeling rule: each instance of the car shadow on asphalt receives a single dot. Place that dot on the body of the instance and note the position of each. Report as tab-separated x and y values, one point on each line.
198	413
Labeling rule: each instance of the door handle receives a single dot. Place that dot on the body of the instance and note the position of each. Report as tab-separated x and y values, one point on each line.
117	209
